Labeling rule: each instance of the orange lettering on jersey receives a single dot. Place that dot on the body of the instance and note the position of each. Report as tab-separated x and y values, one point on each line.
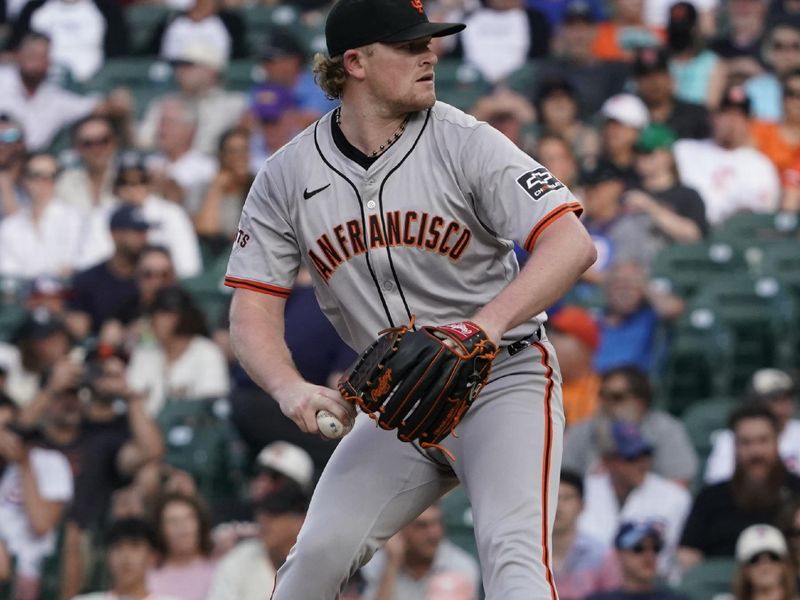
328	250
408	239
417	5
375	233
393	228
338	231
356	240
423	222
461	244
322	268
435	230
451	229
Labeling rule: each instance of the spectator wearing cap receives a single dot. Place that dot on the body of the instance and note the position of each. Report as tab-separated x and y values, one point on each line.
170	226
582	565
625	393
571	57
42	107
35	486
205	22
47	293
248	571
84	33
730	175
780	54
183	364
775	390
676	212
638	545
217	220
747	20
131	552
12	160
501	35
409	563
655	86
275	111
558	109
780	141
558	12
88	185
180	171
629	491
46	236
576	337
100	291
765	568
698	73
760	486
626	30
198	68
278	464
284	60
625	116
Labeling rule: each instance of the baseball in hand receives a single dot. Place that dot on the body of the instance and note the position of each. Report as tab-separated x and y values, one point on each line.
331	427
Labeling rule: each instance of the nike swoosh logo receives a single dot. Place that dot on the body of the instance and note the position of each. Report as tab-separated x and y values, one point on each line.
307	194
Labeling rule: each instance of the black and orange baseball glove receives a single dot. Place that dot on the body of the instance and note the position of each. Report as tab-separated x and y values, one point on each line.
421	382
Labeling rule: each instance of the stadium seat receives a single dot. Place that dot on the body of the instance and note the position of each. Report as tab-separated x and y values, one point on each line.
143	20
747	227
781	259
459	84
208	289
146	78
259	19
761	314
12	308
242	75
523	80
457	515
682	268
708	580
701	420
698	362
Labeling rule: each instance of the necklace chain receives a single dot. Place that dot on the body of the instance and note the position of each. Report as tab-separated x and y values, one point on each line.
387	144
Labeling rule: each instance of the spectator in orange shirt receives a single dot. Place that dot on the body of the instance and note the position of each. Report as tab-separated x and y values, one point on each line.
618	38
576	337
781	141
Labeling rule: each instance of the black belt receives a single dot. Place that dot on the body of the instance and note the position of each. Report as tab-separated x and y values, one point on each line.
522	343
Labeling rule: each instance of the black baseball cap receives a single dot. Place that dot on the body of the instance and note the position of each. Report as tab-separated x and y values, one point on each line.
735	98
279	43
354	23
129	217
650	60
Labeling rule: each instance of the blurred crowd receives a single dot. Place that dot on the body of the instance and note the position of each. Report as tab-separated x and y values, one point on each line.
138	460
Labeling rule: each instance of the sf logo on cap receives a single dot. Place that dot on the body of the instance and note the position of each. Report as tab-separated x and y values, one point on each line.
417	4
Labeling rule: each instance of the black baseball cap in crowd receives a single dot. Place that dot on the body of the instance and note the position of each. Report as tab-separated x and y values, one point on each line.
354	23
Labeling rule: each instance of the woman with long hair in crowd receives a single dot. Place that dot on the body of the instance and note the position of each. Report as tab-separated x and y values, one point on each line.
765	570
185	568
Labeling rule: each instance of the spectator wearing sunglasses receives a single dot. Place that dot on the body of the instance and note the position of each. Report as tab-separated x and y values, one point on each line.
638	545
780	142
765	568
780	54
628	490
12	160
45	237
625	393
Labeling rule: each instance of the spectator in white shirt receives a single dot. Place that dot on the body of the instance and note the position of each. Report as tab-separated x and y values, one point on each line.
42	107
131	552
45	237
176	161
35	485
170	225
184	364
730	175
776	390
629	491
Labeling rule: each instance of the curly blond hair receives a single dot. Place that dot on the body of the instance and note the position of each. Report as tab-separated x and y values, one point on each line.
330	75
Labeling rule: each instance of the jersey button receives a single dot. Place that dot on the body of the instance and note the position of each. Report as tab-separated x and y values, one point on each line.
388	286
371	204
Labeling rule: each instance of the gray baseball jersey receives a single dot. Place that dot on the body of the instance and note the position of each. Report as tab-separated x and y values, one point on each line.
428	229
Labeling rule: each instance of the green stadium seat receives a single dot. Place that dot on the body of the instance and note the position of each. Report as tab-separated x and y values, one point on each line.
12	308
143	20
701	420
698	362
209	291
781	259
682	268
457	514
259	19
144	77
711	578
459	84
242	75
523	80
761	314
747	227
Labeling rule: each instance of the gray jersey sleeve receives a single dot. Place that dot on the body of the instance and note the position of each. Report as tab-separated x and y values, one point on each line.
514	195
265	256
